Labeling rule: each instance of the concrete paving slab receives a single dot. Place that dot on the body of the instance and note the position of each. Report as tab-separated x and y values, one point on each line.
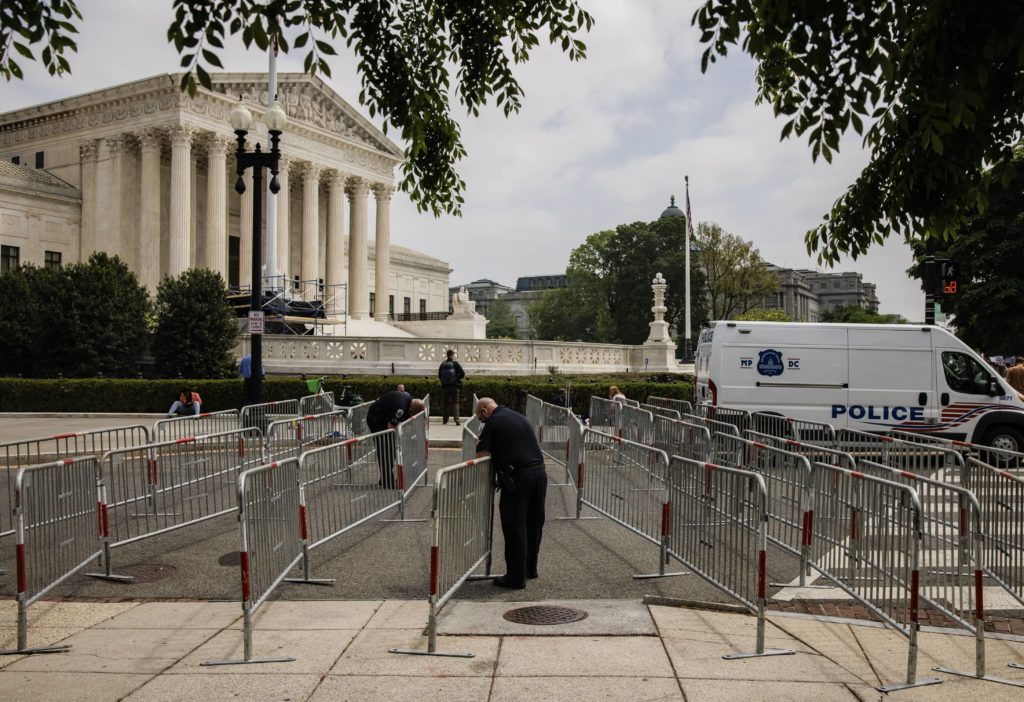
36	638
703	660
81	687
369	651
238	687
549	689
354	688
64	615
314	652
834	641
176	615
604	618
121	651
766	691
631	656
310	615
400	614
697	620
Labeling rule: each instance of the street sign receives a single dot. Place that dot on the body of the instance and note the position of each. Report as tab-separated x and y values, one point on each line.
255	321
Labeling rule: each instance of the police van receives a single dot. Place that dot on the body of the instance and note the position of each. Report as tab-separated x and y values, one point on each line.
869	377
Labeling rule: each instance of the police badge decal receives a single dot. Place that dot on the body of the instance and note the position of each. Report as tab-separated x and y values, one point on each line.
769	362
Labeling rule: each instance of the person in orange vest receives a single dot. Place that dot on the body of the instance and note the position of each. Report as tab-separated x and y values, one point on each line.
188	403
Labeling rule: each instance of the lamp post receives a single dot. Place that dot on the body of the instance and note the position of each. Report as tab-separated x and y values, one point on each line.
241	120
670	212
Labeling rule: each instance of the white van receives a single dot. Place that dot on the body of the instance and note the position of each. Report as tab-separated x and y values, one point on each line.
870	377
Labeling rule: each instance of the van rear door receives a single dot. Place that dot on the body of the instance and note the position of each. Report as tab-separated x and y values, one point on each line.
892	385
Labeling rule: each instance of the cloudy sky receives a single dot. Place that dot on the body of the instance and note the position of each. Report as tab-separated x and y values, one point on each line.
598	143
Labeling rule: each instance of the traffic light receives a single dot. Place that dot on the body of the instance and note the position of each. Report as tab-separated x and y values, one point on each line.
949	279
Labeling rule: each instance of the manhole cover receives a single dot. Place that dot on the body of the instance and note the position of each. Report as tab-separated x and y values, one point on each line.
231	558
147	572
545	615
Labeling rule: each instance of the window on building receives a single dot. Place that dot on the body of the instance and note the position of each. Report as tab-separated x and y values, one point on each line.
10	258
423	306
391	304
373	304
52	259
234	258
16	160
39	159
407	305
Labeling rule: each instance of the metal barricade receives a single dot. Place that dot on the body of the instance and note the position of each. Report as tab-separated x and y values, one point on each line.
534	411
715	428
718	528
553	433
1001	495
574	459
57	513
605	415
344	485
996	457
631	403
290	437
658	411
788	478
951	557
470	436
463	536
814	453
680	406
802	430
412	458
268	518
320	403
261	415
357	419
637	425
17	454
196	424
626	482
738	418
679	438
919	458
866	539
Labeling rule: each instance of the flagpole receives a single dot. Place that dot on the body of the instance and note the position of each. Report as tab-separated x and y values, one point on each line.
271	247
687	348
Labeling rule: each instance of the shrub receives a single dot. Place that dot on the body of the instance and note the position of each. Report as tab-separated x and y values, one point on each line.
196	328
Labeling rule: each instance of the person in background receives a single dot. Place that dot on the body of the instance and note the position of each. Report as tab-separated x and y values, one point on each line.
518	467
561	399
1015	374
401	387
188	403
245	369
387	412
450	374
615	394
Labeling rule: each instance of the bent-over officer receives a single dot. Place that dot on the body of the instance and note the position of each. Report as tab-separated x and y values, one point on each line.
387	412
518	465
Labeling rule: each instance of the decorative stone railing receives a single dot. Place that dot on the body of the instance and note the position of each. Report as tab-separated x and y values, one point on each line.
322	355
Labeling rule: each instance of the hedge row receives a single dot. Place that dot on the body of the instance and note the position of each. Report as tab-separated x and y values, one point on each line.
125	395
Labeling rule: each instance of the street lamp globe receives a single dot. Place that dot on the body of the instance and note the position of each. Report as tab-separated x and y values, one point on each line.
276	118
240	117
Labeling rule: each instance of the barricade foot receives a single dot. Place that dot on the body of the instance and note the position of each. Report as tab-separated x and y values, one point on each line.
571	519
907	685
113	577
55	648
282	659
766	652
419	652
648	576
990	678
405	520
310	581
1016	665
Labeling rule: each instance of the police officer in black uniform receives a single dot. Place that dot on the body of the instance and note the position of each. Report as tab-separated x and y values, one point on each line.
387	412
518	463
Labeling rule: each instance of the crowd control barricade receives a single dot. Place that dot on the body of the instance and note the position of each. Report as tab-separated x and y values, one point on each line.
534	412
788	478
357	419
658	411
195	424
814	453
17	454
631	403
718	528
1001	495
996	457
268	519
679	438
680	406
287	438
715	428
920	458
867	536
57	513
950	556
169	485
261	415
605	415
553	434
737	417
412	459
470	436
463	536
344	485
637	425
802	430
320	403
627	482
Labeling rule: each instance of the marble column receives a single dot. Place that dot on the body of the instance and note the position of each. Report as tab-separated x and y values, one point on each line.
245	232
150	142
382	277
88	153
310	228
335	269
358	296
216	255
180	215
284	234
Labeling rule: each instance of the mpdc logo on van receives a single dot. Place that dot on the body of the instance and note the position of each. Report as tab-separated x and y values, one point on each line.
769	362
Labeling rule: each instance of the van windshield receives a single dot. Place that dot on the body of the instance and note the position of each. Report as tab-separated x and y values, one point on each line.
964	374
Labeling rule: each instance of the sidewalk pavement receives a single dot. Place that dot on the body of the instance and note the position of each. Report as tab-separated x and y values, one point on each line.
151	651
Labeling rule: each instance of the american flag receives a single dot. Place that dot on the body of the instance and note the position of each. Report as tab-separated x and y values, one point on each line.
689	219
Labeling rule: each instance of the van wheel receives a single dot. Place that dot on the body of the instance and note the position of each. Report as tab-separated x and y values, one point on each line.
1006	438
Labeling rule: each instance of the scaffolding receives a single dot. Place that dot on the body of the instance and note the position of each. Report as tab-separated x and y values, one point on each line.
293	306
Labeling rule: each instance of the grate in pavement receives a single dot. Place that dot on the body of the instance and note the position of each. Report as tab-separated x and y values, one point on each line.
544	615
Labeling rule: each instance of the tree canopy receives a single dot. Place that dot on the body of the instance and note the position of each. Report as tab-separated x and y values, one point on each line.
934	86
407	53
737	277
854	314
196	328
501	322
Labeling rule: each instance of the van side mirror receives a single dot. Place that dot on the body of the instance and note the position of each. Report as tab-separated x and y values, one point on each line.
994	390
